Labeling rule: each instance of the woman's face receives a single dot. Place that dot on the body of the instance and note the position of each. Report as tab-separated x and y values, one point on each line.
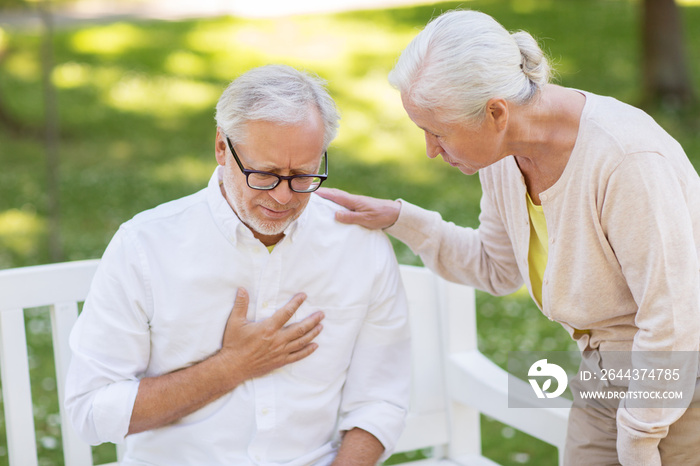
467	147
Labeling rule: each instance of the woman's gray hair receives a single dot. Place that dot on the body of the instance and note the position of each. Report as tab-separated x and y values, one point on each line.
464	58
275	93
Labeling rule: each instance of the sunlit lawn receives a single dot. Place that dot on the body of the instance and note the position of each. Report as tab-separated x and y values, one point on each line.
136	102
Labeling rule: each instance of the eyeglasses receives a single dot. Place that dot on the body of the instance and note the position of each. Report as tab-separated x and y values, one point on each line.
266	181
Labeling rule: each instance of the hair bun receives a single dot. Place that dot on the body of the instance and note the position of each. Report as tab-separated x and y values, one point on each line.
535	64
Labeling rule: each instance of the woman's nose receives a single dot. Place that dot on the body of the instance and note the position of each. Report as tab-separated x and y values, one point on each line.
432	148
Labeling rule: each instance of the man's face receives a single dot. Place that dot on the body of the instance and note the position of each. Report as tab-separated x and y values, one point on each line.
275	148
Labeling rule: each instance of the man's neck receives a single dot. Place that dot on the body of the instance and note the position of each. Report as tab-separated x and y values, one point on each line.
267	240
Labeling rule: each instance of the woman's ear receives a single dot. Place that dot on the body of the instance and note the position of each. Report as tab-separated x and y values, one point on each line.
497	113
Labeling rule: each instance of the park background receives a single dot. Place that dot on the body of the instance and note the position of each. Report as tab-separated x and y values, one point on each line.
112	113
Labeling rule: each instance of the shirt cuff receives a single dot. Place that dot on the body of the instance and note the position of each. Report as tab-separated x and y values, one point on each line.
385	421
112	408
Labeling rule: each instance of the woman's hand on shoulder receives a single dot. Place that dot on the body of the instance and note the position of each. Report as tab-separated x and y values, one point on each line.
366	211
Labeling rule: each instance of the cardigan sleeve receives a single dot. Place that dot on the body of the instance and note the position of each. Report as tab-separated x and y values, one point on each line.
482	257
649	227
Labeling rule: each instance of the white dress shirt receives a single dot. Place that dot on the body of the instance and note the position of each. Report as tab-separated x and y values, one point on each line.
160	301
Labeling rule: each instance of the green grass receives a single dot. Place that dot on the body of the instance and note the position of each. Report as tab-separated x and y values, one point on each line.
136	106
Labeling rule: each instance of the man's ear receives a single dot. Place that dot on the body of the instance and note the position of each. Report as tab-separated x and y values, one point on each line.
220	147
497	113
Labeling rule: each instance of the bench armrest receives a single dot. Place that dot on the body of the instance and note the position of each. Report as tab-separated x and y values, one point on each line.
472	379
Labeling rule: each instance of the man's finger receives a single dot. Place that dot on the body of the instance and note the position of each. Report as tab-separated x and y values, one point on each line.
240	306
302	353
305	339
283	314
301	330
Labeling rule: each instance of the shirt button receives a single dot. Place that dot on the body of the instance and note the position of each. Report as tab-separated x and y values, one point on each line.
265	411
265	304
543	197
546	282
551	240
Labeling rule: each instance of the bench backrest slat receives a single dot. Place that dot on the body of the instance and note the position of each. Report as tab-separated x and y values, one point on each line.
63	316
441	315
16	389
60	287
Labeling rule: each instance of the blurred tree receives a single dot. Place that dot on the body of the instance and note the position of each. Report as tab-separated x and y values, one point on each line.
15	126
50	129
19	4
51	136
665	73
11	4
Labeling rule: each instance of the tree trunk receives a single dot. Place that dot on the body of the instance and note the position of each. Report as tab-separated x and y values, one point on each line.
665	73
51	134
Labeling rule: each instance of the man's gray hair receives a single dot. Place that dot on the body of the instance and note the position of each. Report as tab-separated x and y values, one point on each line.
275	93
464	58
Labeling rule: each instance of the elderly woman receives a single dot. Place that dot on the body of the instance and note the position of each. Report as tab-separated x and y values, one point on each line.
585	199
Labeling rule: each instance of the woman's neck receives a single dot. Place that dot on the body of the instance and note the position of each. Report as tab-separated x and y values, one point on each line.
544	135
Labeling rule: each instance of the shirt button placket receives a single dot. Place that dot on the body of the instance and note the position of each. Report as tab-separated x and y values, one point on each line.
264	387
264	418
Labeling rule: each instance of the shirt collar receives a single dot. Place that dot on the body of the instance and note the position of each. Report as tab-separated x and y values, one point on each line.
229	223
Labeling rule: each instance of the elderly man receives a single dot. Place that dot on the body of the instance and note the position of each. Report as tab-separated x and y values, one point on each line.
311	364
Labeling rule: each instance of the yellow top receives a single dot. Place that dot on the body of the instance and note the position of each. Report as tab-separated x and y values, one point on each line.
537	256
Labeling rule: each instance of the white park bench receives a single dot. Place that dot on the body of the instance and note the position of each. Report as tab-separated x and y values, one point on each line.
453	383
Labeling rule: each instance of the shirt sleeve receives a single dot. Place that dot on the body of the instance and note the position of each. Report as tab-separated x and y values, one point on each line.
377	389
482	258
649	227
110	345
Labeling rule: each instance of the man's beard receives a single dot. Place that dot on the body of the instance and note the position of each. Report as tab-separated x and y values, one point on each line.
255	223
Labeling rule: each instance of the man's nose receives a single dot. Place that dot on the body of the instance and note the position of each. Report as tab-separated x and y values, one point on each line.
282	193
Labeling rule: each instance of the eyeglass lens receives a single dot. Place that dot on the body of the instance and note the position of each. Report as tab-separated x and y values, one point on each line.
269	181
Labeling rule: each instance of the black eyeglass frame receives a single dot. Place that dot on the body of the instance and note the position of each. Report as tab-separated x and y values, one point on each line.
289	179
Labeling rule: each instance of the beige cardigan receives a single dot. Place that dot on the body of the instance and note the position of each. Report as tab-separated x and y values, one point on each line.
624	245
